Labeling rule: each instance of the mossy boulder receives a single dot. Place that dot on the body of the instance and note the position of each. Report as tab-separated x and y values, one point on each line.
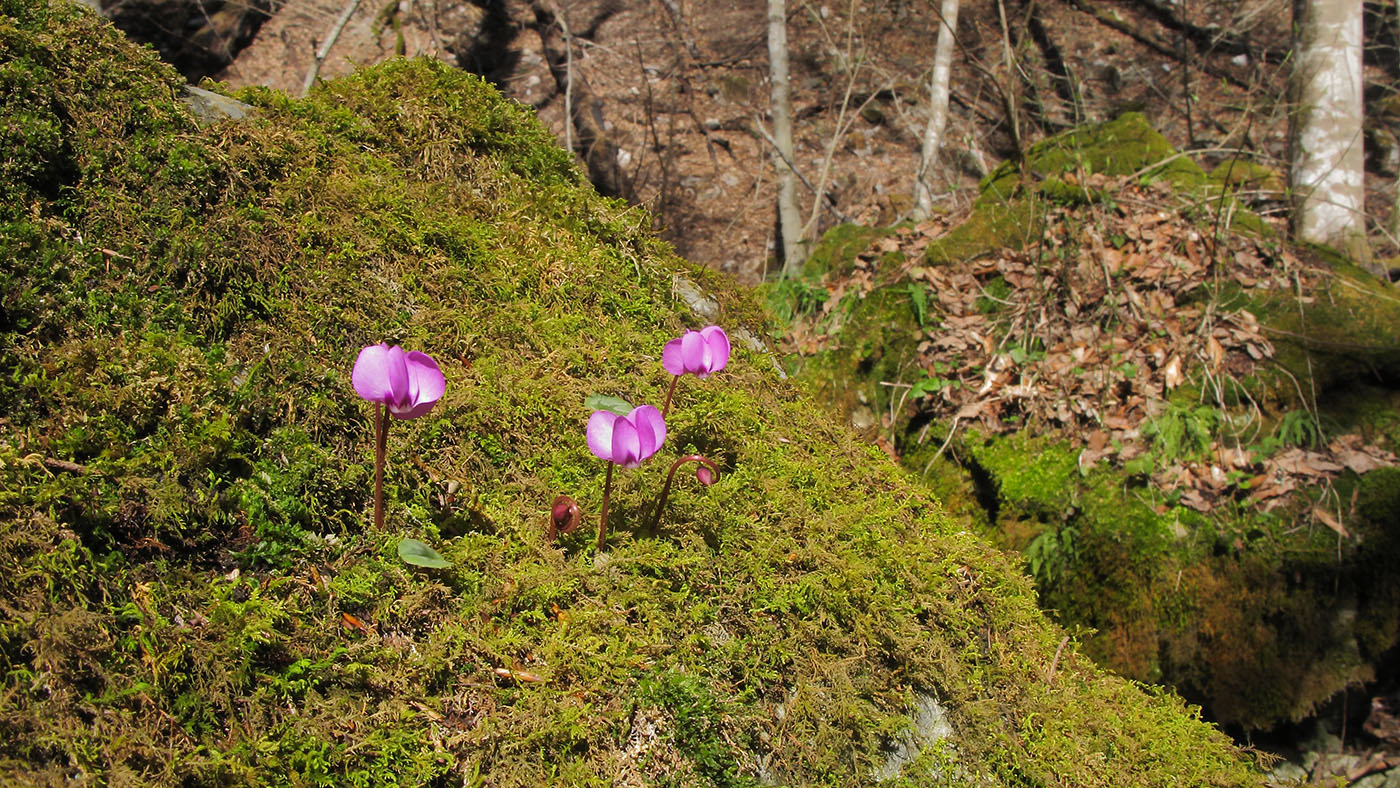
1258	616
193	592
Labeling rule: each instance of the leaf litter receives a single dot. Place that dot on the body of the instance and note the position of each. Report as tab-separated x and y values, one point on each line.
1091	328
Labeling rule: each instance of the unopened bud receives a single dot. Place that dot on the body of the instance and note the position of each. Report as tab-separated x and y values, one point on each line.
704	475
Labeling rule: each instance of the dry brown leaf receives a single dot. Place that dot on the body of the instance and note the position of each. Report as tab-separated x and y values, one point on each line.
1172	374
1215	353
1331	521
518	675
1193	499
1359	462
971	410
1306	463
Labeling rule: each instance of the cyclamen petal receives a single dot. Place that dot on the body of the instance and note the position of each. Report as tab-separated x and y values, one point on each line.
718	342
651	428
600	432
671	357
426	385
370	376
397	370
626	444
693	352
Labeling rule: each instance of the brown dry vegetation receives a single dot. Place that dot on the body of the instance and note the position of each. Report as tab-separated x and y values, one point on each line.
680	91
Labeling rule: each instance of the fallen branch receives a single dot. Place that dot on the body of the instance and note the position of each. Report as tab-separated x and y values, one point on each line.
325	48
830	201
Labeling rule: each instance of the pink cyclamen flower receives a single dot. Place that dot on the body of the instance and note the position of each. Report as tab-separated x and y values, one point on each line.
697	352
409	383
626	440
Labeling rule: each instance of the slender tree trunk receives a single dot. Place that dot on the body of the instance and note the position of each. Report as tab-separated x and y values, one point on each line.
938	88
794	247
1395	204
1328	167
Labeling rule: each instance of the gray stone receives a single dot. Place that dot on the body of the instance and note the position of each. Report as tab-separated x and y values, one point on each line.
930	726
1288	773
210	107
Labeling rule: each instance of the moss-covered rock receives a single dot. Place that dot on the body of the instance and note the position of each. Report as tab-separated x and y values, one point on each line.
192	590
1259	616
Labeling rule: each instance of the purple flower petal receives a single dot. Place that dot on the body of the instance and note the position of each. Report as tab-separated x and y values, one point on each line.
426	385
718	342
413	412
693	351
626	443
370	376
396	370
671	357
409	383
600	434
651	429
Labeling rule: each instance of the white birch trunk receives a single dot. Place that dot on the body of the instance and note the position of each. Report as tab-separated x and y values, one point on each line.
938	87
1328	167
789	219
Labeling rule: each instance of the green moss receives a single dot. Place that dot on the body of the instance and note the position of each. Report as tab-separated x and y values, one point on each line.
1163	595
195	596
1123	146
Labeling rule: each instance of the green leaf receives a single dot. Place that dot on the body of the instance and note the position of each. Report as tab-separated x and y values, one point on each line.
927	386
920	298
416	553
616	405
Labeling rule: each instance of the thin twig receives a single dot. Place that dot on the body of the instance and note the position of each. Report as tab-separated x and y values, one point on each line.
65	465
1050	675
951	431
830	201
326	45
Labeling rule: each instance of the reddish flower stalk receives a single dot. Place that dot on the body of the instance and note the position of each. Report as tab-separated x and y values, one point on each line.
670	392
381	443
707	474
603	516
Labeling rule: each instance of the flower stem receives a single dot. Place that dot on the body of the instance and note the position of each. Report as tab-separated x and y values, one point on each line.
603	518
666	488
669	393
381	441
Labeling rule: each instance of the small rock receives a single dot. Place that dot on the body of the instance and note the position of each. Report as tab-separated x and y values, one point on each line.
1288	773
862	418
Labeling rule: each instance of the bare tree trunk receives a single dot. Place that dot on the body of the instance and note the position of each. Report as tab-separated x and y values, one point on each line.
938	88
1328	165
794	247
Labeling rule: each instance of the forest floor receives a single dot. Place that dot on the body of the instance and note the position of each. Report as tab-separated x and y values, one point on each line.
681	90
